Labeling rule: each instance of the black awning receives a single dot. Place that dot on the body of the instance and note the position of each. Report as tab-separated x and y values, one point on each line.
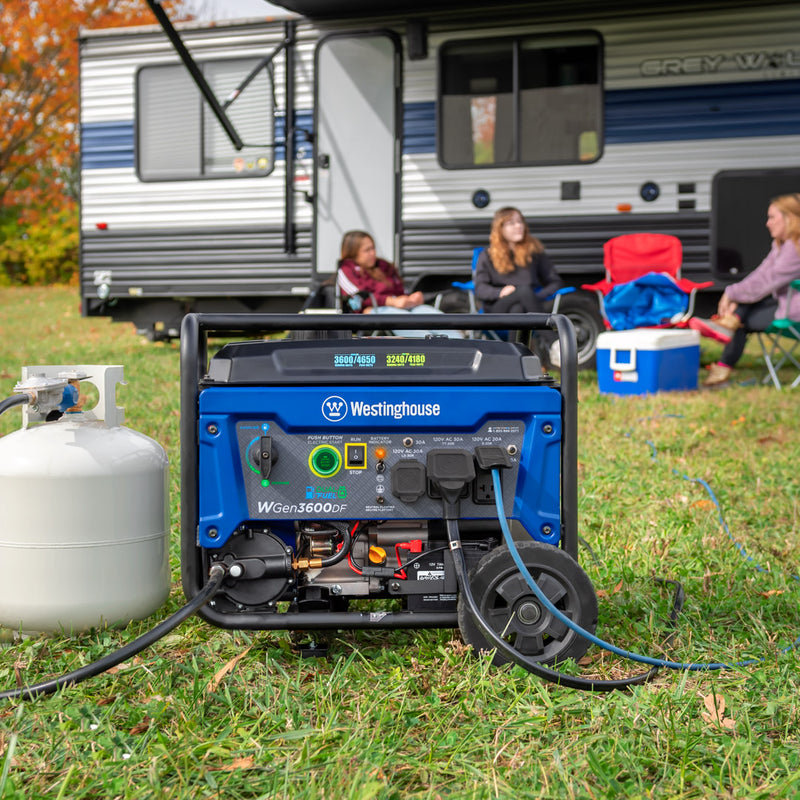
332	9
329	9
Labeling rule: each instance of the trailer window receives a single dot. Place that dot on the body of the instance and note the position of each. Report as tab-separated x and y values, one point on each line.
178	136
520	101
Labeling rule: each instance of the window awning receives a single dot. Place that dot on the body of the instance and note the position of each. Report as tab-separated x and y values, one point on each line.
327	9
332	9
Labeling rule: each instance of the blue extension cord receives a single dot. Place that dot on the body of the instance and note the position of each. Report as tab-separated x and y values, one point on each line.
655	662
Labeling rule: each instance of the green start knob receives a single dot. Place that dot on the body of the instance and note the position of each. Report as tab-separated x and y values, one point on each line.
325	461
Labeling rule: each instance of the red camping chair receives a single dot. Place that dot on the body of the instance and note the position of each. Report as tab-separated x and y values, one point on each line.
636	257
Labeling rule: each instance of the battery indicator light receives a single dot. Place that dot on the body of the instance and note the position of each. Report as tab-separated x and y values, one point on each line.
380	453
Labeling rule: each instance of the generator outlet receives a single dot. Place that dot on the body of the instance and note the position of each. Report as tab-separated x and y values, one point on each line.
483	487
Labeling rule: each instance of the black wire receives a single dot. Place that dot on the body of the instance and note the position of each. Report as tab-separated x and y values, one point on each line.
678	599
353	545
340	554
213	585
560	678
14	400
586	546
422	555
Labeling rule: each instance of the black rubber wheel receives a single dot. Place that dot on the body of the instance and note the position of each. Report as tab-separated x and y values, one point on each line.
511	608
583	311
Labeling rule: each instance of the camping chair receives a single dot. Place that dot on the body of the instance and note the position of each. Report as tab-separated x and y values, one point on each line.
324	298
779	342
643	287
469	288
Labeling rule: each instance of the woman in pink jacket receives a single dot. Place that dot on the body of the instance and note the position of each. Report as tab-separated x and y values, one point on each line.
753	302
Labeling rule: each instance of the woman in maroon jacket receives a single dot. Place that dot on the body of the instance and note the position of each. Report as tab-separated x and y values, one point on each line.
756	300
369	284
364	280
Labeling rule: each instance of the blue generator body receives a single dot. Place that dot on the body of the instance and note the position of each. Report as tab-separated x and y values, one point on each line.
306	468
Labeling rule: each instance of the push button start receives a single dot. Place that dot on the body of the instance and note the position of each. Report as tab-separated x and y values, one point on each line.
325	461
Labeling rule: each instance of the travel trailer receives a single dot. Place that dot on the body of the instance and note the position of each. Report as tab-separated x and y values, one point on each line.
222	163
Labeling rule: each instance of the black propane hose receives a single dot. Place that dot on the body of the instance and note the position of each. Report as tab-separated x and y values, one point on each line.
215	577
14	400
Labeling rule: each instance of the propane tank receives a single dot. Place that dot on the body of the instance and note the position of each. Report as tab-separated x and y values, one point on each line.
84	528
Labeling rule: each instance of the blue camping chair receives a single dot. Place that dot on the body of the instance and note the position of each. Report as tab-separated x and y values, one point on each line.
469	288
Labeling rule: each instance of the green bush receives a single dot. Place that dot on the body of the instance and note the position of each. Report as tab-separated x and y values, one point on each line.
41	253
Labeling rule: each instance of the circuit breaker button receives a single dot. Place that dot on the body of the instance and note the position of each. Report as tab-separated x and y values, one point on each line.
409	481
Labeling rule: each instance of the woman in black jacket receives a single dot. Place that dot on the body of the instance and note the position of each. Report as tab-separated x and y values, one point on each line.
514	274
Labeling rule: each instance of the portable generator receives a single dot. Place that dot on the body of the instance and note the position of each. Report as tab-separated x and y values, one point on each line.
351	481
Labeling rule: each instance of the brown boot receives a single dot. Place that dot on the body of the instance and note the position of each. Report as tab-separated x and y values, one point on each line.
729	321
718	374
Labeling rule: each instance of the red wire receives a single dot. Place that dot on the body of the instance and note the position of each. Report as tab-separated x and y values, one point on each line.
401	573
349	559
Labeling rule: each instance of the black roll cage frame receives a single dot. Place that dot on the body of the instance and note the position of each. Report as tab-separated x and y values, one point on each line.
194	358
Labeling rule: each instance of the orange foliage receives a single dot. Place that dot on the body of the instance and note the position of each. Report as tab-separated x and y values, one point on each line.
39	95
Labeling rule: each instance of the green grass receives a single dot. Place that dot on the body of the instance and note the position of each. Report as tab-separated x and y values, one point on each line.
410	714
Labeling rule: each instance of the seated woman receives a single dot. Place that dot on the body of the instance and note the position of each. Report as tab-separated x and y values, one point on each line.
369	284
756	300
514	274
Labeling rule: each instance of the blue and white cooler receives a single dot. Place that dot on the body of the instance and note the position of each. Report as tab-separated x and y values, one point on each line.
646	360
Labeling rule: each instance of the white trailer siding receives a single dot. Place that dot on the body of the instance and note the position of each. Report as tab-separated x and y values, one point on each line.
686	95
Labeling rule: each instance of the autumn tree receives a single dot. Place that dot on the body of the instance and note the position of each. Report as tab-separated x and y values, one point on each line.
39	95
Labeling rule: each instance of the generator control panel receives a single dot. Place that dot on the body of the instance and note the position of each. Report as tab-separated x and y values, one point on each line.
273	448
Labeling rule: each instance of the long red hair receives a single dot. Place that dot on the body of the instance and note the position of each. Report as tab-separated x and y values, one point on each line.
507	258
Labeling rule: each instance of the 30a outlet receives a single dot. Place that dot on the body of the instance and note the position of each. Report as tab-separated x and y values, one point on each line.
483	488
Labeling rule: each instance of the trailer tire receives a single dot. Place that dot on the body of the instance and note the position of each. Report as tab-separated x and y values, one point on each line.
583	311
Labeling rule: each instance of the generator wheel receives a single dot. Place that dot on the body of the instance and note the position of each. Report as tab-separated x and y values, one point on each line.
511	608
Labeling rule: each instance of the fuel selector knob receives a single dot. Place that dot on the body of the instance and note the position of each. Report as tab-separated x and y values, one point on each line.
262	455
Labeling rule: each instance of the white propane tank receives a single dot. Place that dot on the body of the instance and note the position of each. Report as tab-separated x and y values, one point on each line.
84	518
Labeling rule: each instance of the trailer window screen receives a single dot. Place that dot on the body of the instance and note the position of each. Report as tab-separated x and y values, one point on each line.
520	101
180	138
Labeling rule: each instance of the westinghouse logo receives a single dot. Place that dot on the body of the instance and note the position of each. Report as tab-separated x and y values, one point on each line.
335	409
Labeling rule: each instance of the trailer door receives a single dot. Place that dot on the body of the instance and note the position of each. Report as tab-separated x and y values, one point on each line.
357	145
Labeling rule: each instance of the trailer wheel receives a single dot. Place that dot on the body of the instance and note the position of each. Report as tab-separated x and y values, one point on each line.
507	603
583	311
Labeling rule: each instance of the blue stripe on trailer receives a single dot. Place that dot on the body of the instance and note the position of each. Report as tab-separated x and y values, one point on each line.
108	145
716	111
679	113
707	111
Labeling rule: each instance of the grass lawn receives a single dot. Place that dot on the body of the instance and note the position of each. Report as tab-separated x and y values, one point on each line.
207	713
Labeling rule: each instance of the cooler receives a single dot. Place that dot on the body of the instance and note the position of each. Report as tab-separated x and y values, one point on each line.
647	360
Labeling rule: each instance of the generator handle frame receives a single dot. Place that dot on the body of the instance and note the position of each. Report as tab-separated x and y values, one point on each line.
196	329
